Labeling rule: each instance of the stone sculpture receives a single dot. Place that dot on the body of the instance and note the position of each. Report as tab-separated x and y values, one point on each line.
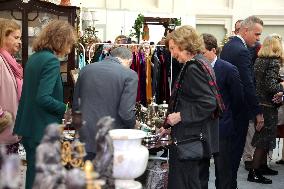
50	174
103	162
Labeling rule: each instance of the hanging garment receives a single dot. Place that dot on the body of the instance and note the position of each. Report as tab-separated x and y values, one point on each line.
155	75
82	62
136	67
142	78
149	80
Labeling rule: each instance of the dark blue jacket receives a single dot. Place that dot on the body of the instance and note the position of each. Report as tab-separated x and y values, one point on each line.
235	52
230	87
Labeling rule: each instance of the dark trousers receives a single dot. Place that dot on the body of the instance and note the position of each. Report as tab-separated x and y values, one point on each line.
222	160
30	148
204	173
90	156
238	144
186	174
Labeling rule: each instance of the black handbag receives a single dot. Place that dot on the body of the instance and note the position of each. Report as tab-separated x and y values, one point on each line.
193	148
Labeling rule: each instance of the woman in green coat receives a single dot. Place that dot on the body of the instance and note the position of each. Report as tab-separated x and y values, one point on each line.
41	102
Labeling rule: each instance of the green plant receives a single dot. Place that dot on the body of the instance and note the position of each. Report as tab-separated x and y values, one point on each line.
138	26
175	21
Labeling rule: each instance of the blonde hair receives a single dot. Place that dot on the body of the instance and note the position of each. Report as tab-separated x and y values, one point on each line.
58	36
271	47
6	28
6	120
186	38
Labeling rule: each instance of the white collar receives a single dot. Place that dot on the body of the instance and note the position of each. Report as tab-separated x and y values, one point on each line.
242	39
213	62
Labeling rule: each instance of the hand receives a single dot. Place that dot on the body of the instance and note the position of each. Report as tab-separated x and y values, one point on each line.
278	98
68	115
173	118
162	131
259	122
19	137
137	125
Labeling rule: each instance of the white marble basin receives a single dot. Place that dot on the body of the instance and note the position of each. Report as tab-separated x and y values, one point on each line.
130	156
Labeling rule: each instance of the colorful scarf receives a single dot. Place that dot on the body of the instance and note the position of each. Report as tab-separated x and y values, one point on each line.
201	62
16	68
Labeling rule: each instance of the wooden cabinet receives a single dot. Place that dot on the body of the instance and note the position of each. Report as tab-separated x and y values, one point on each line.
32	16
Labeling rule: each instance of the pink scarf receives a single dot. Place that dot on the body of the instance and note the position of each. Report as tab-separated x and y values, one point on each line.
16	69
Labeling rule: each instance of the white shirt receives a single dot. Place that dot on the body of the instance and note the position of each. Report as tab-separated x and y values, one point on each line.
213	62
244	42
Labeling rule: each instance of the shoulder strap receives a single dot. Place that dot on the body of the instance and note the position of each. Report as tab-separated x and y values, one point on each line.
176	89
173	98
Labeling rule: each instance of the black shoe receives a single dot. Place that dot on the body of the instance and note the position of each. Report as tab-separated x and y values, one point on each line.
265	170
255	176
248	165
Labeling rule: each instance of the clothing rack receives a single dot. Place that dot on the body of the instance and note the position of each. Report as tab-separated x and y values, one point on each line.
133	44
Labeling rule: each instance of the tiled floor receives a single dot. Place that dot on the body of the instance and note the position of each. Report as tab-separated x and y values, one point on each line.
277	181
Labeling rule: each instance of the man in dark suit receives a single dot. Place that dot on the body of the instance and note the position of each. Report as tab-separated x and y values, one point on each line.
236	52
248	149
229	83
106	88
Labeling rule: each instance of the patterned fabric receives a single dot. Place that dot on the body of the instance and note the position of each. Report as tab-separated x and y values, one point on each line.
266	72
157	175
265	138
212	83
13	148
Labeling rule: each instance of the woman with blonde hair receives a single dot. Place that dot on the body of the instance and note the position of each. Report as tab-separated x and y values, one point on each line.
268	86
42	97
192	111
11	80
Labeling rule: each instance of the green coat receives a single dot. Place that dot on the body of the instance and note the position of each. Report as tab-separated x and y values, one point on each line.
41	102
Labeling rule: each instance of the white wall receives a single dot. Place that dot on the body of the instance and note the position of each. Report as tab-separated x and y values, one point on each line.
111	23
202	12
